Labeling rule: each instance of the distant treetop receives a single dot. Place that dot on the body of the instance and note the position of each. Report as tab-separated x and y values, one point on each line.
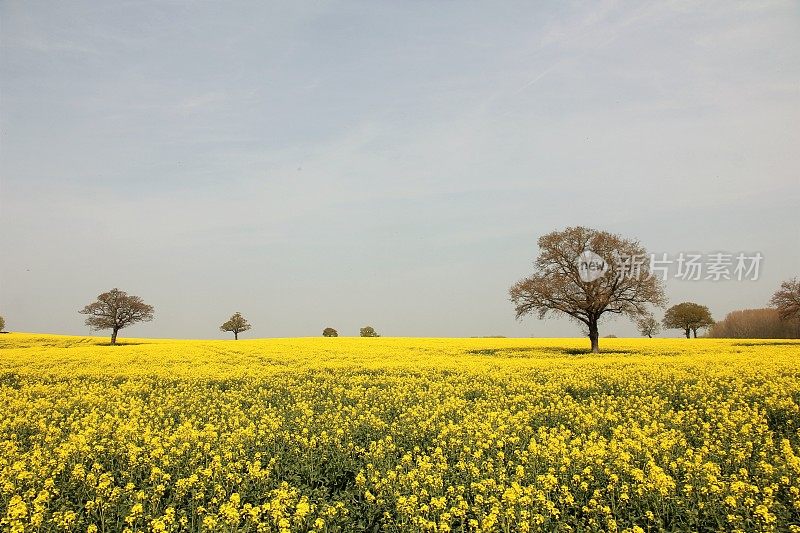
688	316
368	331
236	324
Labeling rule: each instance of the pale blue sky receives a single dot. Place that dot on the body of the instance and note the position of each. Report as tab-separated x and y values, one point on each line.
317	164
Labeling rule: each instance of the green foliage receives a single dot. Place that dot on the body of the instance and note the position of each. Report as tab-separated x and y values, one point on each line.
236	324
688	316
368	331
330	332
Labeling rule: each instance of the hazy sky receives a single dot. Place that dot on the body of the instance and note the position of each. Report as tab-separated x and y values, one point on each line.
317	164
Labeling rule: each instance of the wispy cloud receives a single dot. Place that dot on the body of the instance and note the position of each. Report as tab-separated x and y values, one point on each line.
328	144
202	100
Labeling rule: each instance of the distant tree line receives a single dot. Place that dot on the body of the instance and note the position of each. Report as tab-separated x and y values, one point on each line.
781	321
573	278
116	310
366	331
566	282
763	323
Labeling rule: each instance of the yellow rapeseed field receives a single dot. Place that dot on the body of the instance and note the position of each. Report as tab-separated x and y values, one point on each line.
396	434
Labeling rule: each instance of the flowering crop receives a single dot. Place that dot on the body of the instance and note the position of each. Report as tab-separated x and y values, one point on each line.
382	434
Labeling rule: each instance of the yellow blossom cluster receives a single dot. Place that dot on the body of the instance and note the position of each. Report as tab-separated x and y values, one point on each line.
398	434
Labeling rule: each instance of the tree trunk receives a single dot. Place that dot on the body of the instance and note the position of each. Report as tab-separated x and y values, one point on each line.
694	330
236	335
594	335
688	333
649	336
114	335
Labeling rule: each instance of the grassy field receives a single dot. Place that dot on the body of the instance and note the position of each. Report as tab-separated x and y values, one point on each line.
398	434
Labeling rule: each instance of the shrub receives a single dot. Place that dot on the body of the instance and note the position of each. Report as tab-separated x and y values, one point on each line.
369	331
755	324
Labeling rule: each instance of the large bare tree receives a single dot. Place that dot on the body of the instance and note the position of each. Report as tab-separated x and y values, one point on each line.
235	324
787	299
585	273
115	310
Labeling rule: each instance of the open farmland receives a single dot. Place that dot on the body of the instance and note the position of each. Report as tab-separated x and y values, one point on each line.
398	434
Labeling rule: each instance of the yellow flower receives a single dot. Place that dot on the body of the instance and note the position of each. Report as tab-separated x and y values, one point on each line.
410	434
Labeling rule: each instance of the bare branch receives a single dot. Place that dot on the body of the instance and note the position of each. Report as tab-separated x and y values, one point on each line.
558	287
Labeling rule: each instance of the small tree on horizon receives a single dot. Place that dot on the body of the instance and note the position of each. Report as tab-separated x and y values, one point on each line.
787	300
330	332
689	317
2	323
115	310
582	273
648	326
368	331
235	324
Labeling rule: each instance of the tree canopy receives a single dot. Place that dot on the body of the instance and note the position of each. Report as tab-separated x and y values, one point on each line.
368	331
648	326
330	332
235	324
115	310
787	300
584	273
689	317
